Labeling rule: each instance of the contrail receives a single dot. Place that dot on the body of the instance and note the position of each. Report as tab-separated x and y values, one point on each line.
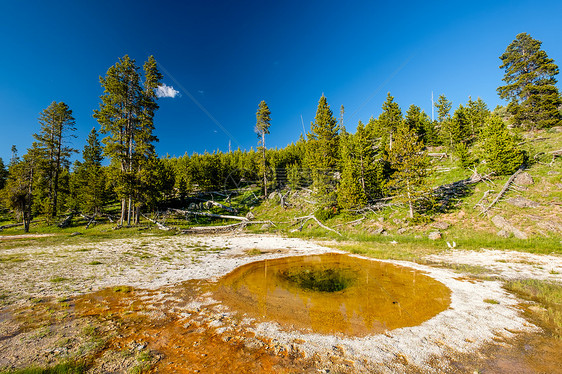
199	105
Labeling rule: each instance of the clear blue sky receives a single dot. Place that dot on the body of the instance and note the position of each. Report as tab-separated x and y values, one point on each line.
230	55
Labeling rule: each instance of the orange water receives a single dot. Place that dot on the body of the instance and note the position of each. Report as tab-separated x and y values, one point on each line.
380	296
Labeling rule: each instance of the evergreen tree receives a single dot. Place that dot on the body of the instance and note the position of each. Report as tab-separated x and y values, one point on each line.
322	153
89	177
351	194
417	120
443	107
20	185
500	148
455	130
530	84
369	163
57	124
126	114
410	164
389	120
263	121
3	174
477	113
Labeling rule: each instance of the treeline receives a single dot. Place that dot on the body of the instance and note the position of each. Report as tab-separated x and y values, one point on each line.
387	156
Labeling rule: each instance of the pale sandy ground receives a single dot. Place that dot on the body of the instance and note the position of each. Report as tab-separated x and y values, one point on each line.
153	262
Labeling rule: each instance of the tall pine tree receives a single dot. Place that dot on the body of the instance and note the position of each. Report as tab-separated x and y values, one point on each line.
410	164
322	153
530	84
57	125
126	114
263	121
89	177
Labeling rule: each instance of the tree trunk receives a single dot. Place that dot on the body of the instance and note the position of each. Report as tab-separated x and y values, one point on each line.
264	170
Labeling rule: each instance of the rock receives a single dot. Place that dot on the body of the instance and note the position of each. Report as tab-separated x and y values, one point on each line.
522	202
524	179
559	186
440	225
553	172
378	231
503	234
272	195
434	235
76	234
503	224
250	216
401	231
266	226
397	221
550	226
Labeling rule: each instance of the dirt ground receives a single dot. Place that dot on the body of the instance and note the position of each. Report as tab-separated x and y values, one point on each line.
146	305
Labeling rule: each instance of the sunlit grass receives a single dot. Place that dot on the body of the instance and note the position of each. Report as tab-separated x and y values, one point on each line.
548	295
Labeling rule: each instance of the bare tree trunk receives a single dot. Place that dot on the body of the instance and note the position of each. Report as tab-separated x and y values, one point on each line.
264	170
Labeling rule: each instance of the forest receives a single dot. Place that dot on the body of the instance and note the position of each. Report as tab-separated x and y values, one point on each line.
390	160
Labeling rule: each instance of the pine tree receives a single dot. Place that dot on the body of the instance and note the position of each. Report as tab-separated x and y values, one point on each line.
126	114
57	124
369	163
351	194
263	121
389	120
410	164
455	130
530	84
477	113
3	174
500	148
89	177
443	107
417	120
18	193
322	153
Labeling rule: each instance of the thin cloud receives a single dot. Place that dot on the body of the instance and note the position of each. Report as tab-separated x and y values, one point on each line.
167	91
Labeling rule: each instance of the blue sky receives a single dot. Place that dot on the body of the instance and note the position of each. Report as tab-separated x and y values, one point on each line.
230	55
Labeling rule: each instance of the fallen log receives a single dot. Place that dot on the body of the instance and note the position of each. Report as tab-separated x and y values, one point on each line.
224	228
312	217
503	190
204	214
19	224
66	222
161	226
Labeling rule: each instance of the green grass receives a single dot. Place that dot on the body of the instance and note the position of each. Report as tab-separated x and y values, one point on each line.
63	368
548	295
95	263
58	279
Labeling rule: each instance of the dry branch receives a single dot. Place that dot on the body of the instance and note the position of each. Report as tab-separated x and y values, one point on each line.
312	217
503	190
204	214
224	228
161	226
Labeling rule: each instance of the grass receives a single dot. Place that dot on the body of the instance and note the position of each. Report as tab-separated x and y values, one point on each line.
95	263
58	279
124	289
548	295
63	368
491	301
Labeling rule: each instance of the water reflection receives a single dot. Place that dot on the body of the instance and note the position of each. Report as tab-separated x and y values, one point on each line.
333	293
